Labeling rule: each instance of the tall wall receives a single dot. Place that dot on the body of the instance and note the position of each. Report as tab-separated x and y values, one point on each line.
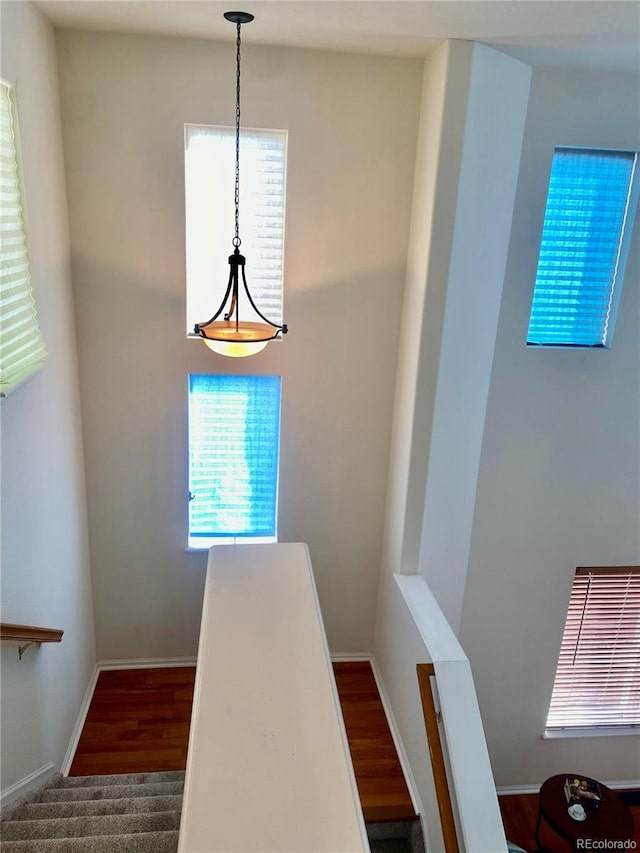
352	123
495	116
559	478
472	117
45	558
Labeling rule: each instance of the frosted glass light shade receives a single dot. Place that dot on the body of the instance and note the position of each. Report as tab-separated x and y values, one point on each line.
235	349
246	339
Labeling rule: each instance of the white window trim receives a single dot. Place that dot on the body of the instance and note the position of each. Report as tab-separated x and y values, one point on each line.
203	544
603	731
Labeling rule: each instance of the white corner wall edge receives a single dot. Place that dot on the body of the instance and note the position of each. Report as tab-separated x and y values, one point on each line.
23	786
104	665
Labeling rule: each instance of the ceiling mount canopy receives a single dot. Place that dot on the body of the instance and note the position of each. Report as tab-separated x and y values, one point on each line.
234	335
239	17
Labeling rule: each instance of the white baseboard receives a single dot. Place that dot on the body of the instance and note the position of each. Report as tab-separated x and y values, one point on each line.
8	795
517	789
397	740
628	783
145	663
534	789
79	724
351	657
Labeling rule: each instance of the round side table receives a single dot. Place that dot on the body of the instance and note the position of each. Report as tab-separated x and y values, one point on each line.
611	821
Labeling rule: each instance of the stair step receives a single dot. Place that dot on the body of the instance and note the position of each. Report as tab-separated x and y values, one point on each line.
77	808
390	845
76	827
146	842
396	836
389	829
110	792
118	779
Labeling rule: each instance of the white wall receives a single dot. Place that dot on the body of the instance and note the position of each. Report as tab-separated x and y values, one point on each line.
559	480
45	560
490	158
352	124
472	114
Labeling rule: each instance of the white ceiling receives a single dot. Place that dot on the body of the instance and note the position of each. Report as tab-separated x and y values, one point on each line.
587	33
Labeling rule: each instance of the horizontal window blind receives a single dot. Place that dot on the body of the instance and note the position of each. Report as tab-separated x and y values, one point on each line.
234	440
22	349
580	263
597	681
210	219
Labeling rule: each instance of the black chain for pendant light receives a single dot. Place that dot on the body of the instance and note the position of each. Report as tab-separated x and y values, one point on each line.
236	240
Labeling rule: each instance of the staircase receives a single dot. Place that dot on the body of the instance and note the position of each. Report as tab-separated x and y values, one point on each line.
128	813
131	813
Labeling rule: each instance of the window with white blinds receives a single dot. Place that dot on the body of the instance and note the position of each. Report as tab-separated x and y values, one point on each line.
210	219
22	349
587	228
234	442
597	681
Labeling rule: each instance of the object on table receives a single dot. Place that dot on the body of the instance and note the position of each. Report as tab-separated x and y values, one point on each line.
585	792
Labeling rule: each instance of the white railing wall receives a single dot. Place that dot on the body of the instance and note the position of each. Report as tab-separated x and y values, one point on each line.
471	784
268	766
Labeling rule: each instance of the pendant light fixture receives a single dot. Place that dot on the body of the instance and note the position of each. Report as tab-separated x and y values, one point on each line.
234	335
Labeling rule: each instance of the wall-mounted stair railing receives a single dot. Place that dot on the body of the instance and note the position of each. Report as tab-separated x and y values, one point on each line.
28	635
426	671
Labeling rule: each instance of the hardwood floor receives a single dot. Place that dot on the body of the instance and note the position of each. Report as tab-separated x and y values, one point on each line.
139	721
383	791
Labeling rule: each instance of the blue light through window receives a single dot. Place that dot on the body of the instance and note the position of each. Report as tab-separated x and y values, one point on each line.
234	438
587	225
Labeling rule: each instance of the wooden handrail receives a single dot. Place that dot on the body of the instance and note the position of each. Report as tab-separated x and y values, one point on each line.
28	634
431	719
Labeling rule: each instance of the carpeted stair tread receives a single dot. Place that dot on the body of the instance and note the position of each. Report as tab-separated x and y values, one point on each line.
122	805
396	837
117	779
77	827
145	842
110	792
390	845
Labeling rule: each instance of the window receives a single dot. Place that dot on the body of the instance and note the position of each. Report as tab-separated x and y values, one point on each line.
209	199
597	681
585	238
22	349
234	439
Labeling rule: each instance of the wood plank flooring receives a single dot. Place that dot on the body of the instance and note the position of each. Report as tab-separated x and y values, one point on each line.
383	791
139	719
138	722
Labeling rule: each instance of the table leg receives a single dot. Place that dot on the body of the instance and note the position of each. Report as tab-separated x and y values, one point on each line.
540	848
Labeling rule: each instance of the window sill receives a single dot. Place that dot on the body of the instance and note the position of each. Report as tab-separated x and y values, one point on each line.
617	731
203	545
